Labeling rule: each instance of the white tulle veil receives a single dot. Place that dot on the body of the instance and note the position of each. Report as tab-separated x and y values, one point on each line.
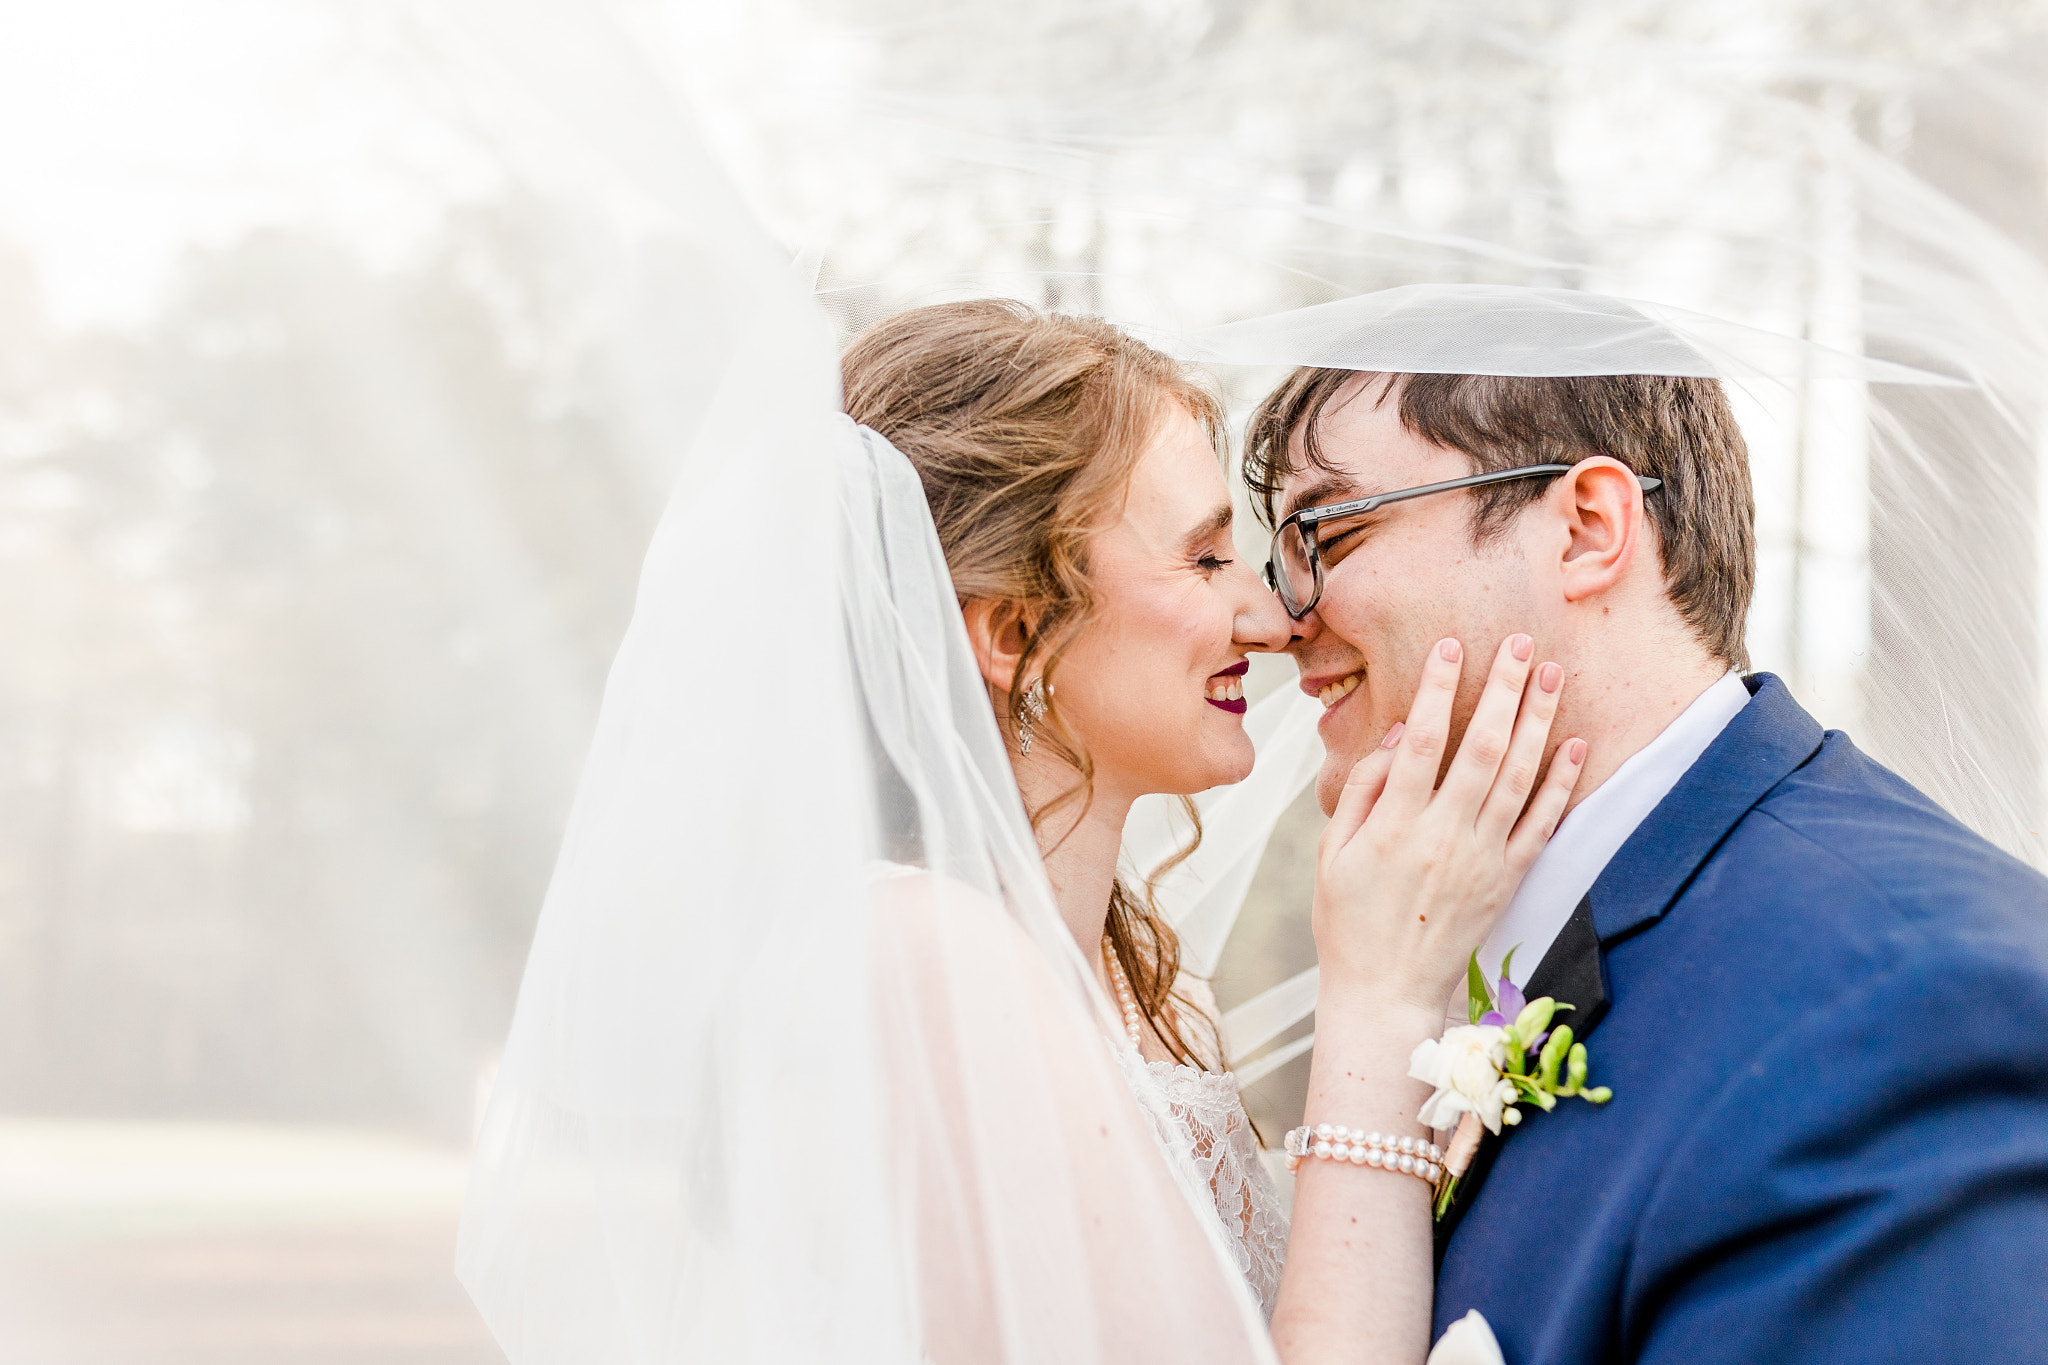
770	1097
805	1065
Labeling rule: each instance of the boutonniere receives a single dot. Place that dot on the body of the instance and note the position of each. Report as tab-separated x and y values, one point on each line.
1481	1070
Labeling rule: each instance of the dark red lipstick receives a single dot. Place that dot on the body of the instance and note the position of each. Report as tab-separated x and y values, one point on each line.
1236	670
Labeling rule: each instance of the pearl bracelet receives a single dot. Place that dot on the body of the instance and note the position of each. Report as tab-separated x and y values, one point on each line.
1334	1142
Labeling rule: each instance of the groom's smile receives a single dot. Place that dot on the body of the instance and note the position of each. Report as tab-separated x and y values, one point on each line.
1332	692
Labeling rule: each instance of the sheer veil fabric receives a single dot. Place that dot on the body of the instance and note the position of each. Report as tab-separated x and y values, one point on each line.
1532	331
805	1065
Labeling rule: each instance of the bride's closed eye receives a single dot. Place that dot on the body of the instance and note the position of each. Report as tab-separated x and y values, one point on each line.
1214	563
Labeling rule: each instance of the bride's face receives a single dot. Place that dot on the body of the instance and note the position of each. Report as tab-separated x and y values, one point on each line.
1154	686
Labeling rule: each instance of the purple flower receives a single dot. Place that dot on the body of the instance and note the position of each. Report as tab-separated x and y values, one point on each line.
1509	1000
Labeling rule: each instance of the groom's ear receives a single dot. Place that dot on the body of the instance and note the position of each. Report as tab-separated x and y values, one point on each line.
996	632
1603	509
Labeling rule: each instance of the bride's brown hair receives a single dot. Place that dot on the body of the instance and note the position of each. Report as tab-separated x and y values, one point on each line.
1025	428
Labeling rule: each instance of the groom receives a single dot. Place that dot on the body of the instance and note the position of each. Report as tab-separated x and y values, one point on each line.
1820	1002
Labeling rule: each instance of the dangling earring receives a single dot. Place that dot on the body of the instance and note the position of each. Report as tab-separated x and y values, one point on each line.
1031	709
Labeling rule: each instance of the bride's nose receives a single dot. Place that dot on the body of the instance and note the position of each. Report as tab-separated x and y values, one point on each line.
1262	624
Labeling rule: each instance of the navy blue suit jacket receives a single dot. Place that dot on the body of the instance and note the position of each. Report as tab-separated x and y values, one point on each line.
1823	1010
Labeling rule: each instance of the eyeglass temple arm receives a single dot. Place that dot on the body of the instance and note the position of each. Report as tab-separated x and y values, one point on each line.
1312	516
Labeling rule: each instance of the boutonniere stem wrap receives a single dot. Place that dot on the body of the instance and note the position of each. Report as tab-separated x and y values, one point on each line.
1508	1055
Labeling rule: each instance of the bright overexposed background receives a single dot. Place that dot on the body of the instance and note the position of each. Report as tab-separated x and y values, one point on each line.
337	401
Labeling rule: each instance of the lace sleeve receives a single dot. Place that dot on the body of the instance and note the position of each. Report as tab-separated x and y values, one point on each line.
1225	1152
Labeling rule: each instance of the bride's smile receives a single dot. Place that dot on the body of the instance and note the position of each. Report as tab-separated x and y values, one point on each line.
1226	689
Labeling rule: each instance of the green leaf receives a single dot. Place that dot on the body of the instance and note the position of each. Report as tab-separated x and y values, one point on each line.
1535	1017
1507	963
1478	999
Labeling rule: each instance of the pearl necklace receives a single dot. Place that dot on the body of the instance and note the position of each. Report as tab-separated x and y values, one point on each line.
1123	993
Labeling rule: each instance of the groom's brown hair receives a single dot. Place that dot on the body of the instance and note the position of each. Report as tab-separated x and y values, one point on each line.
1679	430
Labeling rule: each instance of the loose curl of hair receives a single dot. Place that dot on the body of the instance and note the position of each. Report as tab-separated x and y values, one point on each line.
1025	428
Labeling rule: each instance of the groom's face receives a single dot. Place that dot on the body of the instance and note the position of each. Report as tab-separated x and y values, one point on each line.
1412	576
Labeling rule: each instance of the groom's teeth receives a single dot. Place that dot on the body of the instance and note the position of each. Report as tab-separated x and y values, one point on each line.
1338	690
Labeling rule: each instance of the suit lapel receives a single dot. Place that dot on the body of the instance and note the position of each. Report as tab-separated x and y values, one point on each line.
1575	971
1766	742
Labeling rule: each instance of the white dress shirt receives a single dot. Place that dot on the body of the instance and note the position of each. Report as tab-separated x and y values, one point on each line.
1595	831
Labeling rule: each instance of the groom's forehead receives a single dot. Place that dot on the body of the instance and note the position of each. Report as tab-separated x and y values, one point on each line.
1347	468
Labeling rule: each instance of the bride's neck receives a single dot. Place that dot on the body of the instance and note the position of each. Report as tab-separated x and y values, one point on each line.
1080	845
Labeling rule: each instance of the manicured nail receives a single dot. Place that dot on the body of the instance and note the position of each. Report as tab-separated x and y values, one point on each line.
1521	646
1451	650
1550	677
1393	736
1575	751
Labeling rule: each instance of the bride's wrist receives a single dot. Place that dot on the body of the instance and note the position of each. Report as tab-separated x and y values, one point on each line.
1373	1011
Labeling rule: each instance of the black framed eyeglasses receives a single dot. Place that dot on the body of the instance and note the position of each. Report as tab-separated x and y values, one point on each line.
1294	569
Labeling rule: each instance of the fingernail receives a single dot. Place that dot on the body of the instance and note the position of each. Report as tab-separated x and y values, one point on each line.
1549	677
1451	650
1575	750
1393	735
1521	646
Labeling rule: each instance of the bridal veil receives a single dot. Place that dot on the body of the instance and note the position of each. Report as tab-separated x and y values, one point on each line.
805	1066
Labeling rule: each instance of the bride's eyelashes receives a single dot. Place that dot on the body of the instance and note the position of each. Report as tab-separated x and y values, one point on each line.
1214	563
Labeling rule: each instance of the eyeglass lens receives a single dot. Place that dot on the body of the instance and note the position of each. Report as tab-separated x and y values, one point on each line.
1296	566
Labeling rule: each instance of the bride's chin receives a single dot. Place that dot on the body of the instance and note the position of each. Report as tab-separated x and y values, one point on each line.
1234	769
1212	770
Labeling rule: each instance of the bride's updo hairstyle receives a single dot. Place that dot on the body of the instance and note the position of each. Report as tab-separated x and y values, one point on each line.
1025	428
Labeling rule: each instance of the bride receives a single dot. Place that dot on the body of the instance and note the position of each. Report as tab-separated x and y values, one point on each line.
1077	489
843	1037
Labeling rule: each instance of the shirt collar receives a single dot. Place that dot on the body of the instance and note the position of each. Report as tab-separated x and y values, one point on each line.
1597	828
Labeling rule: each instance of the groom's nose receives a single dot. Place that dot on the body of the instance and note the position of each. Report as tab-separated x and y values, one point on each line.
1302	632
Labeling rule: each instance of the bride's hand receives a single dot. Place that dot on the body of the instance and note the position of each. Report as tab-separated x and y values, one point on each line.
1410	876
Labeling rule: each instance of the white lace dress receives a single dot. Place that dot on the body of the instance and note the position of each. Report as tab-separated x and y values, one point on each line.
1210	1130
1226	1152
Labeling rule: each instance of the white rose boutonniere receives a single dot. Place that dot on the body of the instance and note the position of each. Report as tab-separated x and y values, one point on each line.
1480	1071
1465	1067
